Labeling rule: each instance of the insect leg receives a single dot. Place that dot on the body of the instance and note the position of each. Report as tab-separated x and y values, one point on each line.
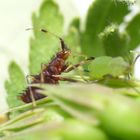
33	78
43	66
31	92
79	64
64	78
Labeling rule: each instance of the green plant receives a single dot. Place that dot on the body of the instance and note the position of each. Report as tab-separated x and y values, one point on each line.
109	109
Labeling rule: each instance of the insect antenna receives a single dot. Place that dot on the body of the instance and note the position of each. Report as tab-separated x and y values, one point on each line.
46	31
63	45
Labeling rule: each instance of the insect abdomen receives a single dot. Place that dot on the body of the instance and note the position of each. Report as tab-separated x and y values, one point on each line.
26	96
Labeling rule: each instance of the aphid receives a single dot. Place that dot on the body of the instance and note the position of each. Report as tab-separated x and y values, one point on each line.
50	74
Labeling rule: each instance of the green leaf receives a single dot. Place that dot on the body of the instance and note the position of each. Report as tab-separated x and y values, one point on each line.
75	23
114	42
116	82
119	116
106	65
78	130
100	14
75	110
44	46
15	85
134	31
68	130
29	119
73	41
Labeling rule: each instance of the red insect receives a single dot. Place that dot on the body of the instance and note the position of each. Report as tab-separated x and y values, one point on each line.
50	73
